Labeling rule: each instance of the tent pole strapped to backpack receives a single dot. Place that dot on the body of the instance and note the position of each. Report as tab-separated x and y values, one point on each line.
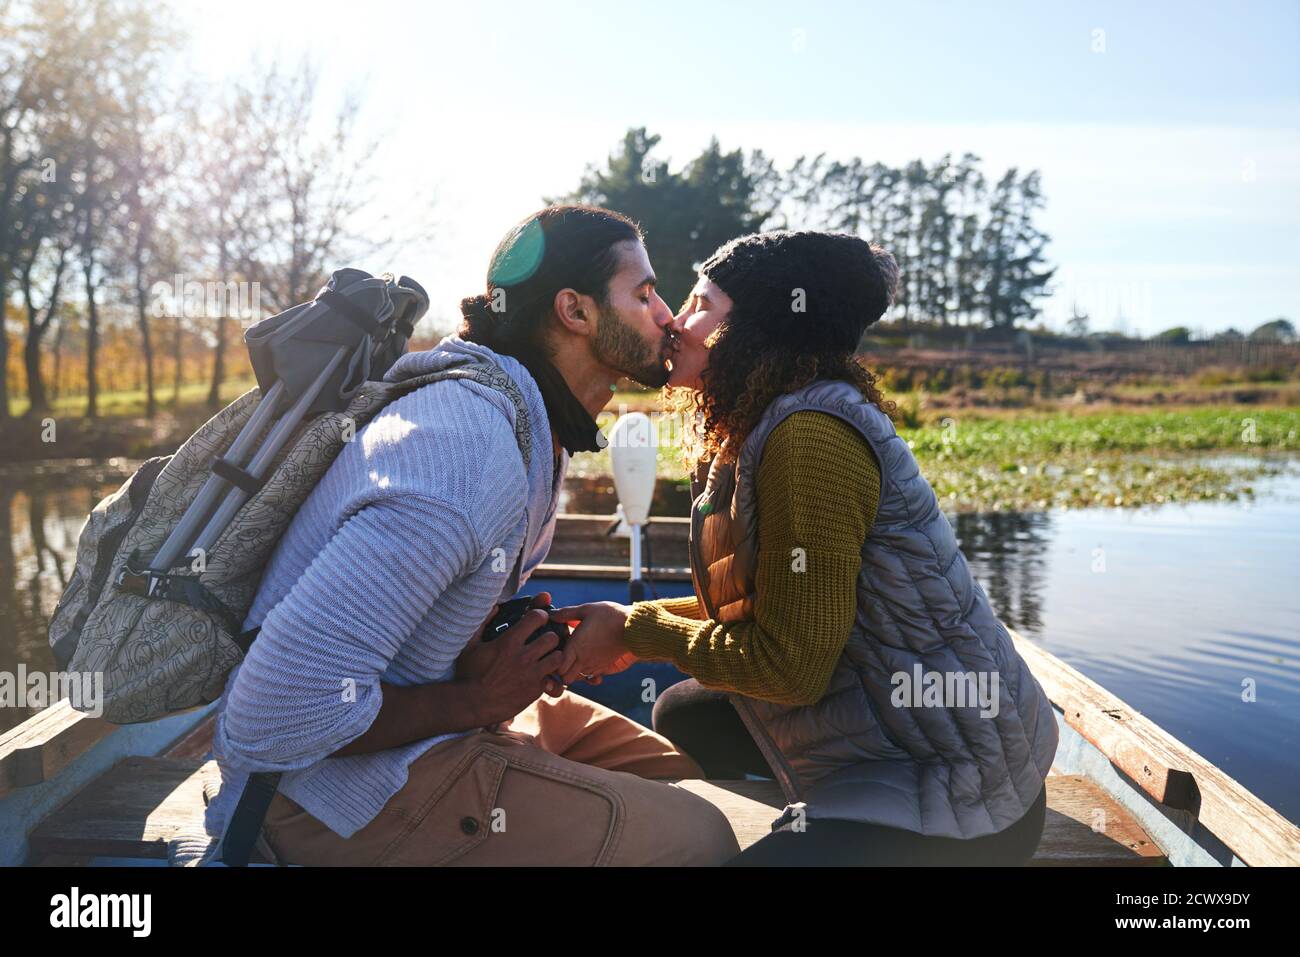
178	542
248	481
362	334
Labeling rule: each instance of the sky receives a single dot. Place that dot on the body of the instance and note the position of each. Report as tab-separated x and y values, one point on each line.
1167	134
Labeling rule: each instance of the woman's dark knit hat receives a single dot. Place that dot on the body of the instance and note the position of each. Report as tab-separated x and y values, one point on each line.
808	291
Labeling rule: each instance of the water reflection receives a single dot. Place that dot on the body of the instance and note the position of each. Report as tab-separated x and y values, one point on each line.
38	536
1006	551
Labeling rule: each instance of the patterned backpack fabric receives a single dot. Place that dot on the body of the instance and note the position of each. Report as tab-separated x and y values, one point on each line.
173	649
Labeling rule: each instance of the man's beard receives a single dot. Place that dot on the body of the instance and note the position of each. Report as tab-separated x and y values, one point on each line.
620	348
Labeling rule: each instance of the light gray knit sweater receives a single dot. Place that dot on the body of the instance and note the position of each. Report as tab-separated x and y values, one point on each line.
388	569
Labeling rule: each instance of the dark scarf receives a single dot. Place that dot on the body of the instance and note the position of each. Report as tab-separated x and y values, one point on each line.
570	421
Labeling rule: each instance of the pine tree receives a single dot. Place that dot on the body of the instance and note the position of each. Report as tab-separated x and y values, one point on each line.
686	215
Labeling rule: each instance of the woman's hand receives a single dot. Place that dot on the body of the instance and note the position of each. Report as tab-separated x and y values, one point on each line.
597	641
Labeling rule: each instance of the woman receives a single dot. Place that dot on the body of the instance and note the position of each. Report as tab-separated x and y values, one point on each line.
828	586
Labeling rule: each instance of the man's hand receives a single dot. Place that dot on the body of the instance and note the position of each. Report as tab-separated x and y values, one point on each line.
506	675
495	680
597	643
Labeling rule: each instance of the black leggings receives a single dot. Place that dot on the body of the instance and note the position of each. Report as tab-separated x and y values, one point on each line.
705	725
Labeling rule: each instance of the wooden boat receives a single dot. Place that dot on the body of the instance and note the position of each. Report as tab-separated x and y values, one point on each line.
76	790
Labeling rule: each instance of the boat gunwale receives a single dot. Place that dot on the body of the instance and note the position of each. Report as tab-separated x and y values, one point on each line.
1182	786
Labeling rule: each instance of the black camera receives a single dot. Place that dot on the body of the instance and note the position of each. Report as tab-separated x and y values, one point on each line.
515	609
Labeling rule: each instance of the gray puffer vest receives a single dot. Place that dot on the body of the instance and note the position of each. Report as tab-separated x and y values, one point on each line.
879	747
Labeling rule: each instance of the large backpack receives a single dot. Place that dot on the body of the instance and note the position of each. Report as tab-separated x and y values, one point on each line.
167	642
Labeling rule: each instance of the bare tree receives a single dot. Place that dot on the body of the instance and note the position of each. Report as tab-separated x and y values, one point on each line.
66	66
125	55
284	211
149	159
34	51
226	168
318	185
95	154
42	255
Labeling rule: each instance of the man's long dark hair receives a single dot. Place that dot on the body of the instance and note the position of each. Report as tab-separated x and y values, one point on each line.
555	248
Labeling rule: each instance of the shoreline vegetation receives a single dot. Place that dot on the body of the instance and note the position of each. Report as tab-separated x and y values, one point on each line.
998	426
1119	449
1076	459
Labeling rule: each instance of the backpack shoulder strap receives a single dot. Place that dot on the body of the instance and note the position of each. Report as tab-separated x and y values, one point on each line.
485	374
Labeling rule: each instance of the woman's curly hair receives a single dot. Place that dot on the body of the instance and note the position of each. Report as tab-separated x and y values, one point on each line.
744	376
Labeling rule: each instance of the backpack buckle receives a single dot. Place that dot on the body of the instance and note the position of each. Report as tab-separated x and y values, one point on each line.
141	581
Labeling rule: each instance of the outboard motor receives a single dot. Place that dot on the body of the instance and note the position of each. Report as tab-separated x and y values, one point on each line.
633	454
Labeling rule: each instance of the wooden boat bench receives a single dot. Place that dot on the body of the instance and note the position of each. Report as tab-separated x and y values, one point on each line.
142	803
1074	804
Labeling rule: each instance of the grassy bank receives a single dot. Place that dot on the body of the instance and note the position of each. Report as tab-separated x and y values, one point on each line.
1006	441
1113	459
1054	455
121	428
130	403
1058	459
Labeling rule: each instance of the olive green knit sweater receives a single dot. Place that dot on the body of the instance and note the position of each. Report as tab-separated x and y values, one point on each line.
818	489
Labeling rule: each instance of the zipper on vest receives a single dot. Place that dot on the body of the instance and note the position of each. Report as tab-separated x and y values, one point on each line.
692	551
785	775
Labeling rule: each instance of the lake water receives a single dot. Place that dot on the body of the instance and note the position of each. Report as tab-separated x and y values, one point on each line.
1175	609
1181	611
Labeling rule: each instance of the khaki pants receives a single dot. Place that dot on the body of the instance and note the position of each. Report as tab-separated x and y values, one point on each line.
566	782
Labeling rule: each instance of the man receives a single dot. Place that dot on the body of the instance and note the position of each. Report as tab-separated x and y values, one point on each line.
402	737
